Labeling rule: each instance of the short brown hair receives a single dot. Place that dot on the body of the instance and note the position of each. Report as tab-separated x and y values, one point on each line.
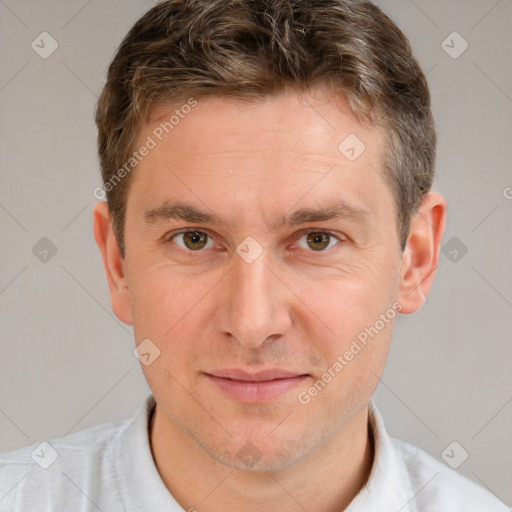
249	49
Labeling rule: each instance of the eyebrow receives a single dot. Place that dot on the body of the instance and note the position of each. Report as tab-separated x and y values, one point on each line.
178	210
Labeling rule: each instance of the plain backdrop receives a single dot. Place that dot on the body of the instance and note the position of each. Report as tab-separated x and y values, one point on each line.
66	363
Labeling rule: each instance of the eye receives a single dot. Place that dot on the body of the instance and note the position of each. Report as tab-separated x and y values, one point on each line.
192	240
319	240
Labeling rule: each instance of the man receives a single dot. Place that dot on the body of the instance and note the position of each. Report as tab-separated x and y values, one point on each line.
268	169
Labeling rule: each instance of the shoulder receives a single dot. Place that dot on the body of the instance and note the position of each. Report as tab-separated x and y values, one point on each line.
85	444
57	467
439	487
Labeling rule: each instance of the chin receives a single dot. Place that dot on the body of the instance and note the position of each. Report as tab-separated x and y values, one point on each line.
259	455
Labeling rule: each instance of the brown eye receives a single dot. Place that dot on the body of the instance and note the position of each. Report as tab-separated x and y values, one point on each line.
319	240
192	240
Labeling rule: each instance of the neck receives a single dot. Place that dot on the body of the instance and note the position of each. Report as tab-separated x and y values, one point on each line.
326	480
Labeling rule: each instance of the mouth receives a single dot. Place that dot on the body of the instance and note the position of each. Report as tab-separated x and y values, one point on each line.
257	387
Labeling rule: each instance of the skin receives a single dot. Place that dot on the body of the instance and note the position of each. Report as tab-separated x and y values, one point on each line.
293	307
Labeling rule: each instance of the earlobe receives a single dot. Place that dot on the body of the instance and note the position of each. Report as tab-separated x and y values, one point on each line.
421	255
113	263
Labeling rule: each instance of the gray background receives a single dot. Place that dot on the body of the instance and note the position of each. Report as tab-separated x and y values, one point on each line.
66	362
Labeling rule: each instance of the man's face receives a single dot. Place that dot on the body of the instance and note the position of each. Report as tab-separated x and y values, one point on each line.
258	292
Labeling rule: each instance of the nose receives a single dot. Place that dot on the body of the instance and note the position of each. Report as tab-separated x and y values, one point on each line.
255	303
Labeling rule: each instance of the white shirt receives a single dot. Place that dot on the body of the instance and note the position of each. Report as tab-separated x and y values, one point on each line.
110	468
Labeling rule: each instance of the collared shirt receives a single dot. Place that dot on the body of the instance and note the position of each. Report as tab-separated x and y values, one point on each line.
110	468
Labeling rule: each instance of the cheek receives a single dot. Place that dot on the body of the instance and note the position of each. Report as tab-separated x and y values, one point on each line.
344	306
175	313
171	312
162	300
358	318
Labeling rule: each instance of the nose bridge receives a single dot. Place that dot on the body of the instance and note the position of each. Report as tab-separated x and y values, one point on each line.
254	307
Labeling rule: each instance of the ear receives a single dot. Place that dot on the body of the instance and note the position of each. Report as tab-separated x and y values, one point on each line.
420	257
113	262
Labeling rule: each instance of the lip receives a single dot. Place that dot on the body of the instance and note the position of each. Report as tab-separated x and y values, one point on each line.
257	387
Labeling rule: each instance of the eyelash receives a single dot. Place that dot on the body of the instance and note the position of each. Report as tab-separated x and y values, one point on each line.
339	238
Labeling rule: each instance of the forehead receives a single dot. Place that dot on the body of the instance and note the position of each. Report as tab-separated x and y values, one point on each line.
274	154
285	121
310	129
